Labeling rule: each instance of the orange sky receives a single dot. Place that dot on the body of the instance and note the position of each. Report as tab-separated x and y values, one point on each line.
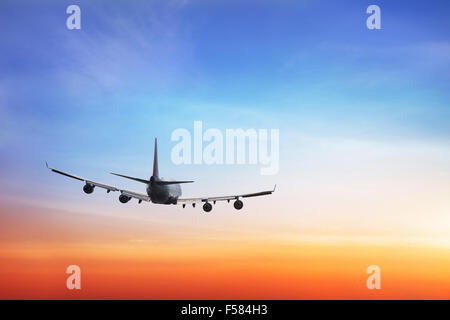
363	152
37	245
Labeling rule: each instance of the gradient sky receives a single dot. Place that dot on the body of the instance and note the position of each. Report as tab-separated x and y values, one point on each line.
364	120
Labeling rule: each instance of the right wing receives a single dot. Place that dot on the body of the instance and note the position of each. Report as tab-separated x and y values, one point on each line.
226	198
131	194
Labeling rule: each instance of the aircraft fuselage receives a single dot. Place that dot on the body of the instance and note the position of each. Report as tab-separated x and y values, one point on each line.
163	194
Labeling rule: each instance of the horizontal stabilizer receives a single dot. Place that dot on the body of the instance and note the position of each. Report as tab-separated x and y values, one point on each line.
132	178
163	183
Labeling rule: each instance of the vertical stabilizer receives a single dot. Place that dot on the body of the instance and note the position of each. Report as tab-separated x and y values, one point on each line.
155	160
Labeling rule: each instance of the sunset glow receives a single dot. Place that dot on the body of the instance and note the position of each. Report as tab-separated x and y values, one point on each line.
363	177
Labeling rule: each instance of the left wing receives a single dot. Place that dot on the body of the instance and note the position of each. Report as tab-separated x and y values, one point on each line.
125	195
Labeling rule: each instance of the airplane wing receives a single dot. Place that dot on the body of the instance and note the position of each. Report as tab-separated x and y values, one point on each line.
90	184
225	198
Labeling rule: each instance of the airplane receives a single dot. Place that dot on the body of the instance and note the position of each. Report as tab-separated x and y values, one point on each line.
160	190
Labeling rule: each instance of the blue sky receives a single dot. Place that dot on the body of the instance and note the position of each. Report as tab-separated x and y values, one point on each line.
94	98
364	123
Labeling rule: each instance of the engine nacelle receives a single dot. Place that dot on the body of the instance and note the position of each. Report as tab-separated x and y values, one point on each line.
238	204
207	207
124	199
88	188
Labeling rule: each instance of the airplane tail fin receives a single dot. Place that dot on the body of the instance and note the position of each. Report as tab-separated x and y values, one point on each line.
155	160
155	173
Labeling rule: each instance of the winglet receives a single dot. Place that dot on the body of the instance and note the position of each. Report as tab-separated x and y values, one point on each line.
274	188
46	164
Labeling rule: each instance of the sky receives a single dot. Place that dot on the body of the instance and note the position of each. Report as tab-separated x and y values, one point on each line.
364	168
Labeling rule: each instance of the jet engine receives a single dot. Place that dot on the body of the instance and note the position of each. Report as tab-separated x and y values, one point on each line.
88	188
238	204
207	207
124	199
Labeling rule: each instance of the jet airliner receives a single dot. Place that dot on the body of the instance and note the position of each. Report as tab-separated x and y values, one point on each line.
161	191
